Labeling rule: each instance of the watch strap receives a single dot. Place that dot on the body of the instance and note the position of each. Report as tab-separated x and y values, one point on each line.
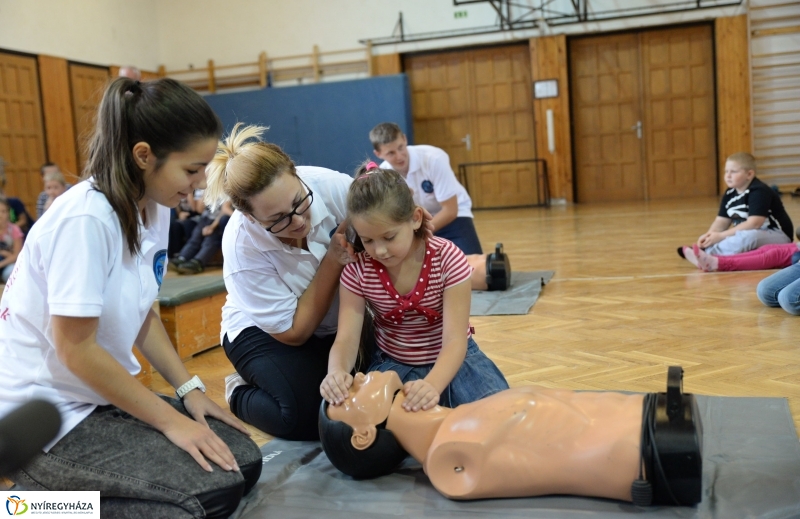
193	383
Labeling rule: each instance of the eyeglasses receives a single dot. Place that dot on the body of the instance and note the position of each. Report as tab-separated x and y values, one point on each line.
299	209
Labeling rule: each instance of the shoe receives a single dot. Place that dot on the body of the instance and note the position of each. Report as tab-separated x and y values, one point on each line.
192	266
174	263
680	252
232	381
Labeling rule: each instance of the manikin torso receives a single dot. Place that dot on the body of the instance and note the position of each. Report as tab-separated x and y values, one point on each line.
527	441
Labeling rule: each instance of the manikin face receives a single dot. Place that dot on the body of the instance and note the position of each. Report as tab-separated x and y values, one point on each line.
54	188
396	154
286	194
389	242
180	174
367	405
737	177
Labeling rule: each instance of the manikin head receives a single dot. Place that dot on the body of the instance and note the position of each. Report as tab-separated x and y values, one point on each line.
353	434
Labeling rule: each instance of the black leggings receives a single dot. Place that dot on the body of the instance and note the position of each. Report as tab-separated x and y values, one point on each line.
283	396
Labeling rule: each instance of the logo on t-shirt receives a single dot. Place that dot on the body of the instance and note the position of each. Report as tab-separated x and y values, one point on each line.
427	186
159	260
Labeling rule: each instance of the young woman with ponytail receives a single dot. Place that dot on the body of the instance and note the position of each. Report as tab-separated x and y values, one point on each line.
80	297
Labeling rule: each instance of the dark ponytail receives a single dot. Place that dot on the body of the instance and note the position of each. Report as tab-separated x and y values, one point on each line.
167	115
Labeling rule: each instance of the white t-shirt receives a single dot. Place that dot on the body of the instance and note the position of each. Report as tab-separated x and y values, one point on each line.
432	180
75	263
265	277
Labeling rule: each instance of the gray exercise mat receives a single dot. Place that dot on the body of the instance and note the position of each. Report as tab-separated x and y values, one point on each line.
517	300
751	468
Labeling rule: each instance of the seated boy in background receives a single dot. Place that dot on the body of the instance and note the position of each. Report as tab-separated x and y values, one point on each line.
751	213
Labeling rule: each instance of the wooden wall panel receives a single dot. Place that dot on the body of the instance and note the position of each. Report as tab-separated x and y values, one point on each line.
58	122
87	85
21	132
734	130
386	64
549	61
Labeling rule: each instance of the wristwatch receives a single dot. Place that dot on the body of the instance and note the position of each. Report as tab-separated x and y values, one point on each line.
194	383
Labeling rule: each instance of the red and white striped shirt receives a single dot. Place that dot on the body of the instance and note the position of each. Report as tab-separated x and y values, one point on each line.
415	338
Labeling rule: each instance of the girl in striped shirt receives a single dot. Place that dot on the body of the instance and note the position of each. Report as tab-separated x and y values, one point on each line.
417	289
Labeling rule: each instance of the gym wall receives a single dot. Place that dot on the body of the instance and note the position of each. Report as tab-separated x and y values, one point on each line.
324	124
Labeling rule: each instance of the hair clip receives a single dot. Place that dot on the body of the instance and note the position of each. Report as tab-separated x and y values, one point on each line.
371	165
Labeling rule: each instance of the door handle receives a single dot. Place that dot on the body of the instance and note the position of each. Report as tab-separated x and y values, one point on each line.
638	128
468	141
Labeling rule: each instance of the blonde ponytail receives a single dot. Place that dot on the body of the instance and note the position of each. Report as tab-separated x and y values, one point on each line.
244	166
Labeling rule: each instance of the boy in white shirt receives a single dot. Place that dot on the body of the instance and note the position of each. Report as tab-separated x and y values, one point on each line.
427	171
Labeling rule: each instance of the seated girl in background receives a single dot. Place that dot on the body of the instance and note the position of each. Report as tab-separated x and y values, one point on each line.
10	240
775	256
54	186
781	289
418	291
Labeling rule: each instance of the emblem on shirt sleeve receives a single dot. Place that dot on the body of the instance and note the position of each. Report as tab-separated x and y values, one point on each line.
159	261
427	186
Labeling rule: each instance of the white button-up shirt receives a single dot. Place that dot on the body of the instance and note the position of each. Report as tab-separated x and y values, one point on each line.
265	277
432	180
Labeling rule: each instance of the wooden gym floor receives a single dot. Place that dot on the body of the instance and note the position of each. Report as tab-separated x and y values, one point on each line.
621	308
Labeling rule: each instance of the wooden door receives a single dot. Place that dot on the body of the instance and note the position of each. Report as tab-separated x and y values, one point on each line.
87	85
440	102
22	144
476	105
643	108
679	120
502	127
606	107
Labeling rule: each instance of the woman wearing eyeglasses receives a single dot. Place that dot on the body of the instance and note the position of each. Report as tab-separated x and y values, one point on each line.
284	249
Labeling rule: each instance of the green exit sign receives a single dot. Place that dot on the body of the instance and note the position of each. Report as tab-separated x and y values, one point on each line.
460	14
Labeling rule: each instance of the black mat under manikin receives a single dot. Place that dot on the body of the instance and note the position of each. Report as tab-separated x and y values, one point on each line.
517	300
751	468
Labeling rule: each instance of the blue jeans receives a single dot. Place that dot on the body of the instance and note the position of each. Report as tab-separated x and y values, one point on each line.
139	472
477	378
782	289
203	248
461	231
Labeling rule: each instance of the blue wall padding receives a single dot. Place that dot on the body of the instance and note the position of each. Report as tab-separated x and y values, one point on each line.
325	124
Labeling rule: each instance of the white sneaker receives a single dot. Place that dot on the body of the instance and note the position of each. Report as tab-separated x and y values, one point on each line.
232	381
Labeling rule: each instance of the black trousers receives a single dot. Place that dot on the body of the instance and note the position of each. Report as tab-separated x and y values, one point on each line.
283	396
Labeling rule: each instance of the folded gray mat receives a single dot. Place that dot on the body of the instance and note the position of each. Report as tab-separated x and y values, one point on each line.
751	468
517	300
179	290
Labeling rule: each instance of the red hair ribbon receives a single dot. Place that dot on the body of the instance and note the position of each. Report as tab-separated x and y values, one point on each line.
371	165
